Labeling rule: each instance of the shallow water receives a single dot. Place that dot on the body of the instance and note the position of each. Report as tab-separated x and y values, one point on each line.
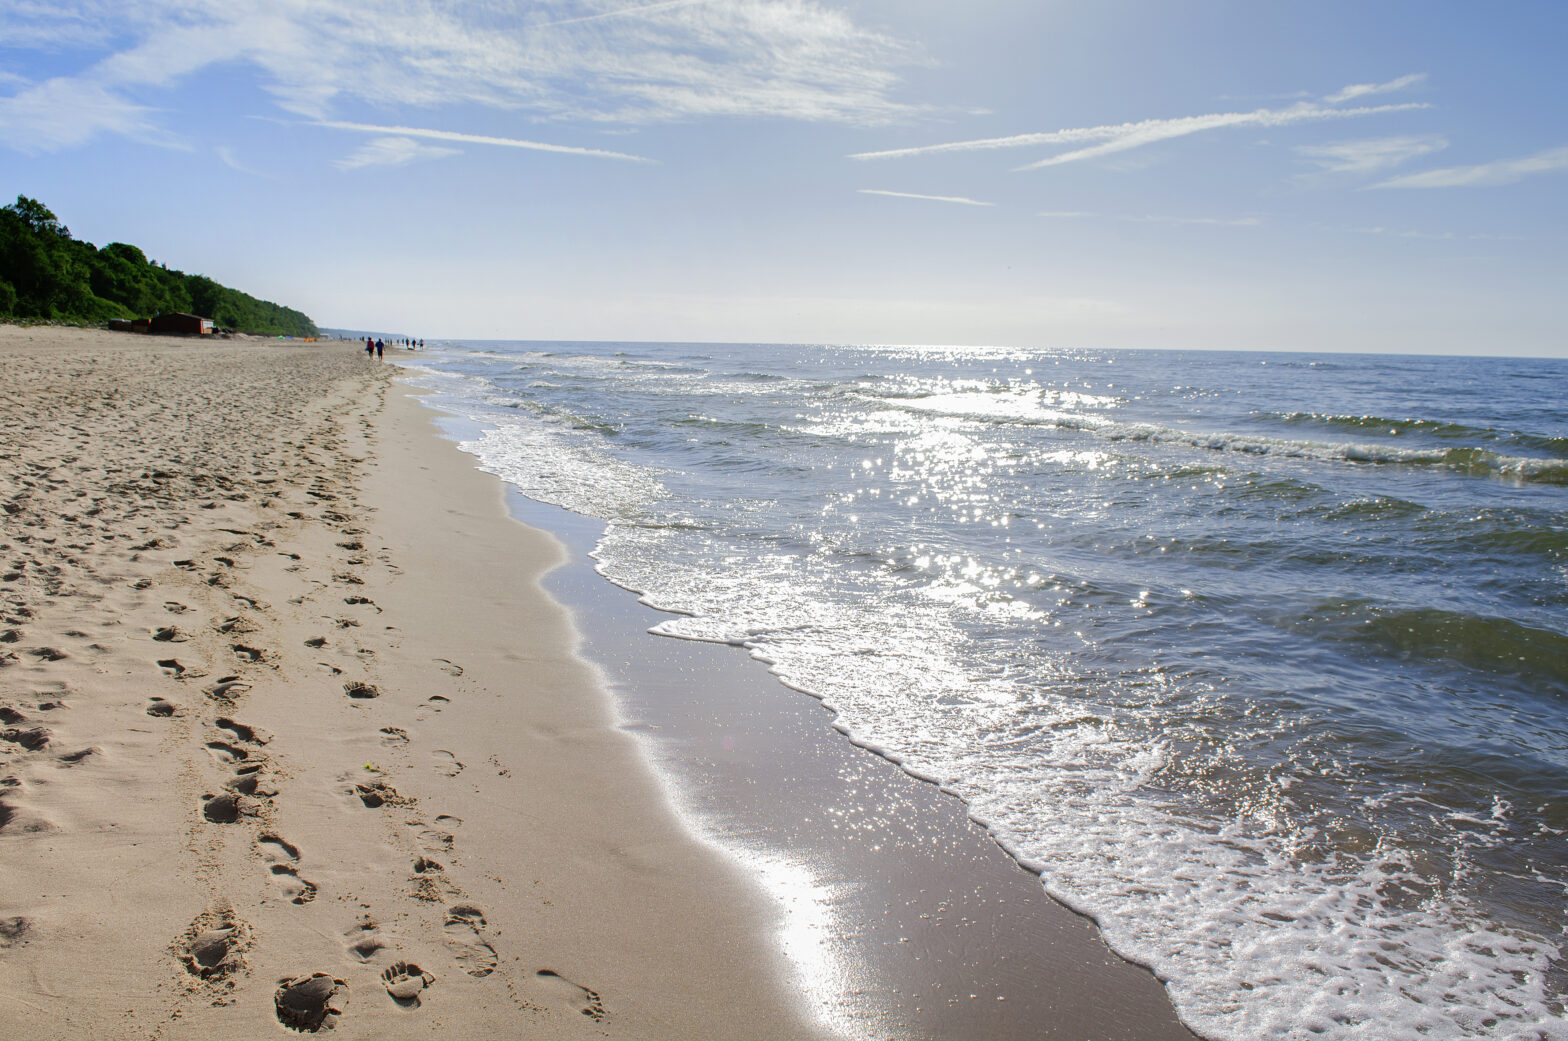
1260	660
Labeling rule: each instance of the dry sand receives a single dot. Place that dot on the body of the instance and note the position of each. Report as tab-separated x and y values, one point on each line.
291	736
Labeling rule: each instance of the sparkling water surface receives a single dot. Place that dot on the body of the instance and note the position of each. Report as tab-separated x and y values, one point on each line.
1261	660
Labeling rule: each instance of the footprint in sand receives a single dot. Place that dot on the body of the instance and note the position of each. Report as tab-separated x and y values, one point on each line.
249	780
361	691
316	642
308	1003
394	736
174	607
404	981
379	793
242	731
282	857
364	940
465	926
448	667
228	807
160	707
171	634
226	753
447	764
227	687
248	654
436	840
31	738
12	930
574	994
213	947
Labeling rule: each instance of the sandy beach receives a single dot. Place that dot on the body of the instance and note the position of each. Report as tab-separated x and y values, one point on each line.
294	739
290	734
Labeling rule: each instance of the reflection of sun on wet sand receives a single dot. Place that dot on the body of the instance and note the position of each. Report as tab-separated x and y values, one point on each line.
292	739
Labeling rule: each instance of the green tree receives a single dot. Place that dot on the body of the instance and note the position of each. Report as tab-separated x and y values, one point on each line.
38	217
46	274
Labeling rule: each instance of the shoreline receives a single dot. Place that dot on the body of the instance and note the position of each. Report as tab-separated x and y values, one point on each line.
908	917
299	733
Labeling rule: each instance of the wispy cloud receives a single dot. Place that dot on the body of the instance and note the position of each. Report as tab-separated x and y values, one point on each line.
930	198
1120	137
392	151
620	12
1226	222
1361	90
1447	236
1223	222
1371	155
404	133
1155	130
226	154
599	61
63	113
1485	175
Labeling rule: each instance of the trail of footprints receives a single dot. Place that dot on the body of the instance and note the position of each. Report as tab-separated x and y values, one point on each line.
314	1001
150	500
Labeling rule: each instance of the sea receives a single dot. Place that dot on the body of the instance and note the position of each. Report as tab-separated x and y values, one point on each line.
1260	660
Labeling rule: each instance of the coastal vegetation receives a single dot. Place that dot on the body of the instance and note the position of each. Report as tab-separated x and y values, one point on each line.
46	275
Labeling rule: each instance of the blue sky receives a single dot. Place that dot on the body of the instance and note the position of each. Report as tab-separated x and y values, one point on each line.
1373	175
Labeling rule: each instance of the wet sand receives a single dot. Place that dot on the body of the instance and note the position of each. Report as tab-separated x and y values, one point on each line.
905	916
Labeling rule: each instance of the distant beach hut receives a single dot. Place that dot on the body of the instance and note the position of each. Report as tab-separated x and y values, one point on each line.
182	323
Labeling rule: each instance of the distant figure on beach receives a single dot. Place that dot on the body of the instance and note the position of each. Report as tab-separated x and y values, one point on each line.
370	347
380	348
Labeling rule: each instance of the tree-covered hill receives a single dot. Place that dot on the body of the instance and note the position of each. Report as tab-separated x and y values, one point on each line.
46	274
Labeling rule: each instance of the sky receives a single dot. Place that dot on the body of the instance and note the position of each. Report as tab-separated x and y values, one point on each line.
1375	175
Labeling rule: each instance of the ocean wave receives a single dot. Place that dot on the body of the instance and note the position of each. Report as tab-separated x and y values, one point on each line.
1379	424
1433	634
1470	461
1445	430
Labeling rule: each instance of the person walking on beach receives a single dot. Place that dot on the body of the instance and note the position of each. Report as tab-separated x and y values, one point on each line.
370	348
380	348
